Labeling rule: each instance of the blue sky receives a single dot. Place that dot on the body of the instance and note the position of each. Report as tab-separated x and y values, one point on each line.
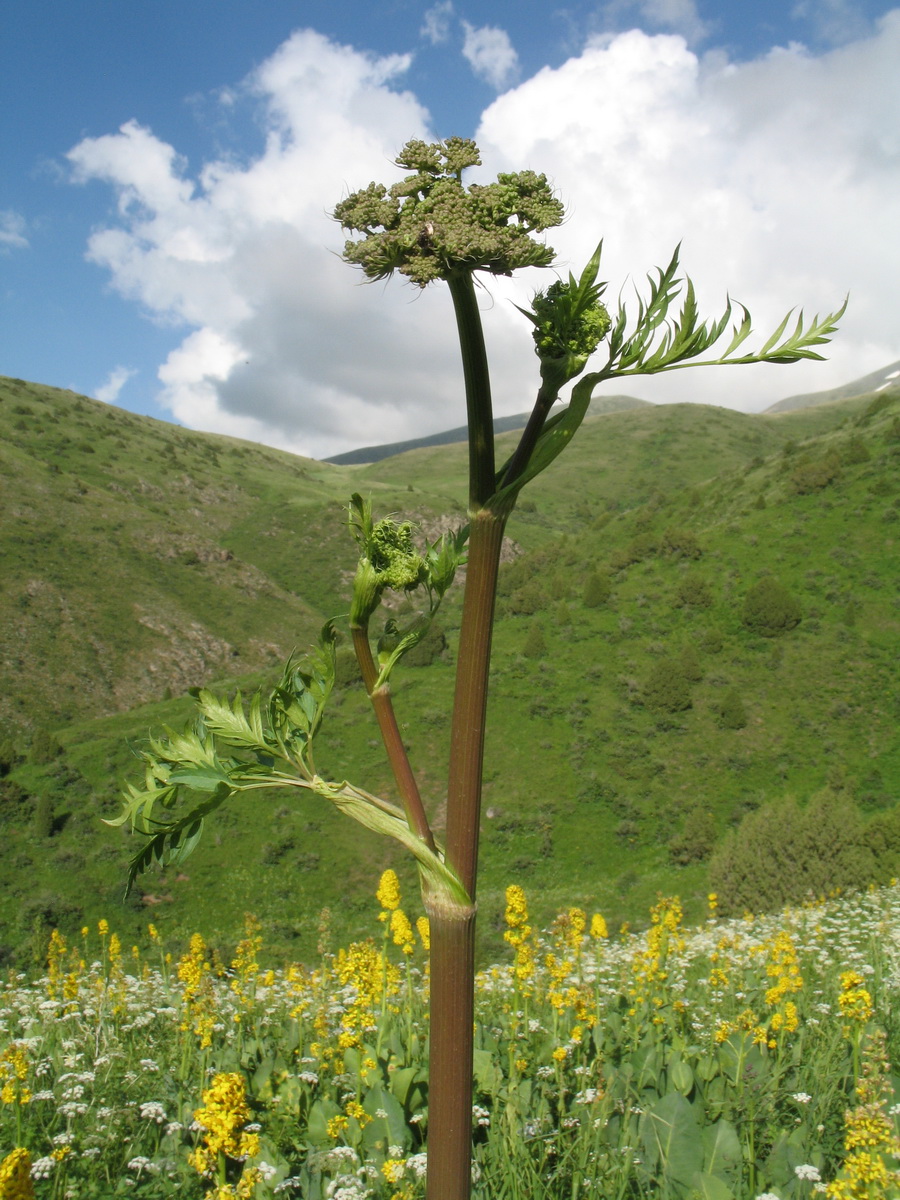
168	168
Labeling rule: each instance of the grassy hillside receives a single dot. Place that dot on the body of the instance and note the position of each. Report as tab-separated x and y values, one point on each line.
144	558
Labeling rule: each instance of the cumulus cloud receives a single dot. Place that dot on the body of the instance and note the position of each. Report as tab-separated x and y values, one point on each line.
490	54
436	23
12	231
110	389
833	22
781	175
675	16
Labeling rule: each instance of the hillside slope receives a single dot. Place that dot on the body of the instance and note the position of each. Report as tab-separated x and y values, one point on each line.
617	758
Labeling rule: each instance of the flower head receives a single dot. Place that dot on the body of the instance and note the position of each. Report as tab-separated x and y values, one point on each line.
429	225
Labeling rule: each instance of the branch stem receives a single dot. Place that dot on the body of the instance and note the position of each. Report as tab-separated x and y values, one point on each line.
546	398
393	741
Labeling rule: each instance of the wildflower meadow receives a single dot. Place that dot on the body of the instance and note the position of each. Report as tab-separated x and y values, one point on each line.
746	1059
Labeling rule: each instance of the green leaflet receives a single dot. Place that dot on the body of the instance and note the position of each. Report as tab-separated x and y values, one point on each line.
438	878
671	1139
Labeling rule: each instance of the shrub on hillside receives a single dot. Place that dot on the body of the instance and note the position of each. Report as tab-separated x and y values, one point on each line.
681	542
346	667
12	795
689	662
526	601
636	551
597	589
45	749
731	713
697	839
813	476
42	821
667	690
432	646
855	451
693	592
10	756
783	854
535	644
712	642
770	609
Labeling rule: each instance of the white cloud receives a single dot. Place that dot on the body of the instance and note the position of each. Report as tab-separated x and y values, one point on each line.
12	231
109	390
833	22
490	54
782	175
436	23
674	16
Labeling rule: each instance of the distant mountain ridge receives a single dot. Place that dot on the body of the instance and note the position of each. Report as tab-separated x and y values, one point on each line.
371	454
876	382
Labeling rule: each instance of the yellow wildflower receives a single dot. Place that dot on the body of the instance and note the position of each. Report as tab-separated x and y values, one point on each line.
401	930
388	894
392	1169
223	1114
336	1126
424	930
15	1176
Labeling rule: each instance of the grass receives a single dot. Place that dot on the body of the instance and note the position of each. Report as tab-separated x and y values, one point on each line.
735	1059
120	589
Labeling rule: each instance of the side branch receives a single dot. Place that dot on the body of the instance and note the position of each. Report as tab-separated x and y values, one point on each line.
393	741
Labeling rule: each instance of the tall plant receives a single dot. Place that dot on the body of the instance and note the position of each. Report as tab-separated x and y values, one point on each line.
432	227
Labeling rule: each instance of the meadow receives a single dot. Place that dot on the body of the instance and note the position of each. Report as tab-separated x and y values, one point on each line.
739	1059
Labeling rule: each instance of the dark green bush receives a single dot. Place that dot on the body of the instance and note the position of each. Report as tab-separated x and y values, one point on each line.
712	642
689	662
346	668
527	600
697	839
432	646
597	589
681	542
10	756
855	451
42	821
784	854
813	476
45	748
667	690
535	643
770	609
731	712
693	592
636	551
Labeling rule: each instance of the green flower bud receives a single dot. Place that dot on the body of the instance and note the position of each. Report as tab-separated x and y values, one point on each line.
569	322
397	563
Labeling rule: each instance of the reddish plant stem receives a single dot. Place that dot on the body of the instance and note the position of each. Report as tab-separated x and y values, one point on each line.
391	736
452	930
470	700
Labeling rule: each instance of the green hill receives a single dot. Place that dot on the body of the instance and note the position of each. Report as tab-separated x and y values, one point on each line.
627	735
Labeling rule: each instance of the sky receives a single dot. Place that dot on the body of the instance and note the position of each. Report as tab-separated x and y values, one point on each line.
167	173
